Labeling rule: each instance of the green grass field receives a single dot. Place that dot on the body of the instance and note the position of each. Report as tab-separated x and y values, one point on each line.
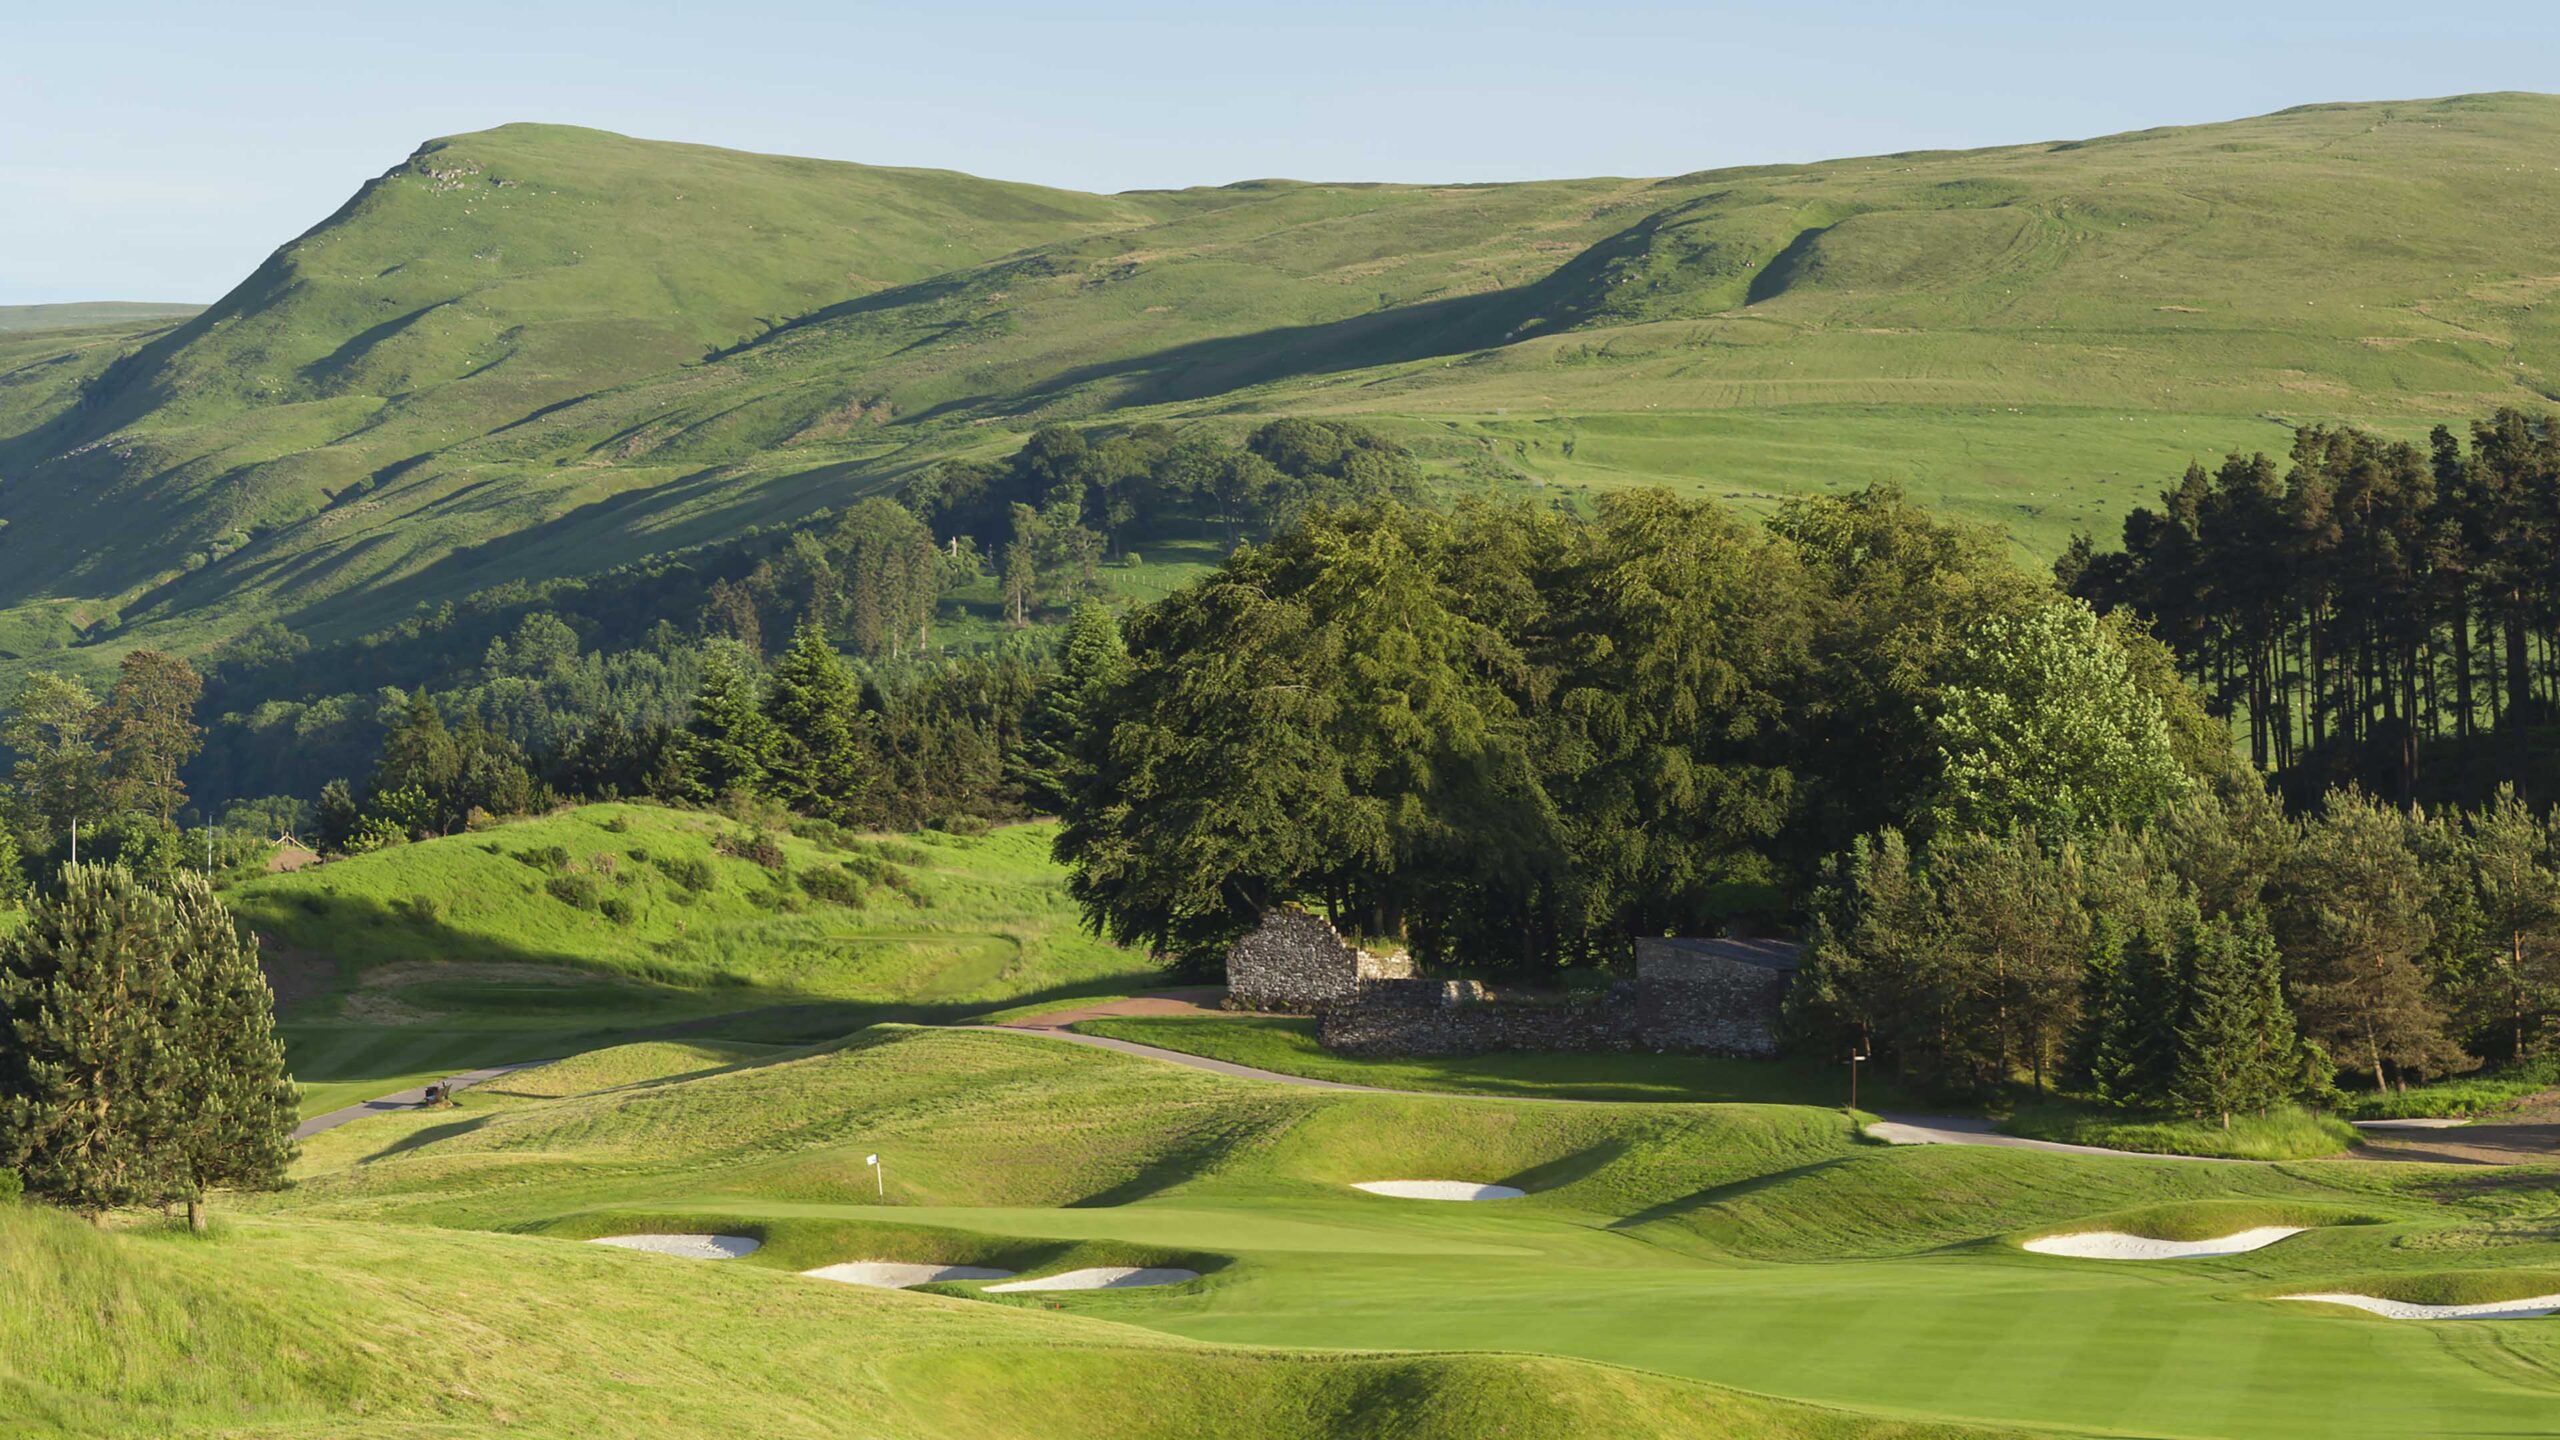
1758	1246
411	963
539	350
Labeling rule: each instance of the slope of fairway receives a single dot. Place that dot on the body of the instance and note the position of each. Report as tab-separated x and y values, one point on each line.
398	966
1760	1246
303	1329
539	350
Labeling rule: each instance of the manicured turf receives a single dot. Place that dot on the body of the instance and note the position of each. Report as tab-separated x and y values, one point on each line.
1759	1246
414	962
1287	1045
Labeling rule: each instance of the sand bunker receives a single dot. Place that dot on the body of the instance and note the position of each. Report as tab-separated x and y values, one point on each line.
1439	1190
2116	1245
891	1275
2531	1308
1105	1277
685	1247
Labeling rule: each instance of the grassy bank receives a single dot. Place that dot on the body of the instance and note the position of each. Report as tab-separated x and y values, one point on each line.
2289	1133
1287	1044
547	936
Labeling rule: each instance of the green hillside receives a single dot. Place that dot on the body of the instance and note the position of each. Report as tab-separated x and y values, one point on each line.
539	351
555	934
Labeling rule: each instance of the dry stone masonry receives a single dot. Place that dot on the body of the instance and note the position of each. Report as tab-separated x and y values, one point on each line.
1297	963
1719	997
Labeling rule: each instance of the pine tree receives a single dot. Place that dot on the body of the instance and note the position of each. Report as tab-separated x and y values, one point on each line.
87	993
2355	916
729	744
819	765
2136	1051
1092	660
229	1117
2232	1054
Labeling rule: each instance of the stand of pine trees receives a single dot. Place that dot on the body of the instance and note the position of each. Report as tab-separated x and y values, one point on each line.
138	1058
2363	607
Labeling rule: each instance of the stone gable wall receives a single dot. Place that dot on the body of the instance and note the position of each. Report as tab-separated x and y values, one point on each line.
1295	962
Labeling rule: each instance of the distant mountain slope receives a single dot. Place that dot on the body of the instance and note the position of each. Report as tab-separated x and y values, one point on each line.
540	350
90	314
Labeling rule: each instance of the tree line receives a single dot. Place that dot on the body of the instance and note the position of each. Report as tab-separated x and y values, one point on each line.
2220	957
1513	736
2367	605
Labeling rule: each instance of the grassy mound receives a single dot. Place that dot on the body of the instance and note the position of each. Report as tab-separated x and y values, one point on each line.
1287	1045
2288	1133
798	1243
2440	1287
2213	1219
548	936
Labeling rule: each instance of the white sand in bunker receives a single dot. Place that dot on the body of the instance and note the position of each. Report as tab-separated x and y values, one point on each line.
894	1275
2530	1308
1439	1190
1103	1277
2117	1245
685	1247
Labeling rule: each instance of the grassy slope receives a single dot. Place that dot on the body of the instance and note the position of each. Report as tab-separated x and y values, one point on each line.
2038	335
413	962
1287	1045
1753	1245
300	1329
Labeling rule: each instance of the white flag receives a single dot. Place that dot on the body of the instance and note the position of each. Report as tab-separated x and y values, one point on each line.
870	1159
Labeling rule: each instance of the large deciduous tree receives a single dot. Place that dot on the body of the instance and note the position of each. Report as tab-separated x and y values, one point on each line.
2040	721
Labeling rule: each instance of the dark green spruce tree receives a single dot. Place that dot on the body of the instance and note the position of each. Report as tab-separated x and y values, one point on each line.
729	744
1091	661
819	765
2235	1042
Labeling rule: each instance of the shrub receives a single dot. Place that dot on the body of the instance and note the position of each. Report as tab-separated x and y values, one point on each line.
10	1188
573	889
546	857
687	871
755	845
834	883
603	863
421	909
615	909
617	825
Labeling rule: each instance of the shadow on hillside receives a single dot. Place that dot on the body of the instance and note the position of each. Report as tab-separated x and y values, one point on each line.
1684	1206
596	1006
564	545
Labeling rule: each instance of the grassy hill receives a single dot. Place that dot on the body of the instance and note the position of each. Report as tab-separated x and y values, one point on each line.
544	937
538	350
1760	1246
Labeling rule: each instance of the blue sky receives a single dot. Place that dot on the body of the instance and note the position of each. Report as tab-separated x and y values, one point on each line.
158	151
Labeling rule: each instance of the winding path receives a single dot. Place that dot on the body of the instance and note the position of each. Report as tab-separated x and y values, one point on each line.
409	1099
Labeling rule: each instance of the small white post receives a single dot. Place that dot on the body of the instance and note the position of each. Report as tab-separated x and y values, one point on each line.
879	1175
